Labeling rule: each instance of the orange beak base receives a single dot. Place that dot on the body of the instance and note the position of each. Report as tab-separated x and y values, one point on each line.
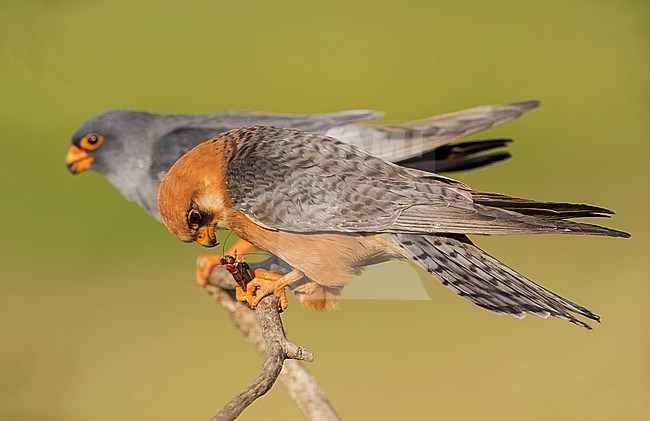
77	160
206	236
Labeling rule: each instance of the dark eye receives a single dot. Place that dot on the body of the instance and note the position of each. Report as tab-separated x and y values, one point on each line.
93	139
194	218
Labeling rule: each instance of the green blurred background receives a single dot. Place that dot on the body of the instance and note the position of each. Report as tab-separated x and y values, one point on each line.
99	315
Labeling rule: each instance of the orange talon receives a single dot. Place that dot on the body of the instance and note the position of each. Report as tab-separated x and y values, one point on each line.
240	294
266	275
267	283
205	263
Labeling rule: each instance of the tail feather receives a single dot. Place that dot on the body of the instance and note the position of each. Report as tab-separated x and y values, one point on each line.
544	210
464	149
483	280
456	164
481	219
458	157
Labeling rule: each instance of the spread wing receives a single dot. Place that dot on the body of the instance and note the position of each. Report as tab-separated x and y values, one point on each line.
289	180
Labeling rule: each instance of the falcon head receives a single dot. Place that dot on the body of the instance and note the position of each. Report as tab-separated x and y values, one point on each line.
188	198
119	144
100	142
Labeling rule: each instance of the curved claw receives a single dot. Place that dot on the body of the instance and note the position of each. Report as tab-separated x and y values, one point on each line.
240	294
260	288
266	283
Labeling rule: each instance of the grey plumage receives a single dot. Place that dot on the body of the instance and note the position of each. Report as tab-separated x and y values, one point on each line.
304	182
140	147
399	143
292	181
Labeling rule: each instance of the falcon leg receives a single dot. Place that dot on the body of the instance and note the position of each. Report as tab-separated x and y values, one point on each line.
266	283
206	262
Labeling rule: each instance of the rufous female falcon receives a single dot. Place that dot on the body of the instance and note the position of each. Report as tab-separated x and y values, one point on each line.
329	209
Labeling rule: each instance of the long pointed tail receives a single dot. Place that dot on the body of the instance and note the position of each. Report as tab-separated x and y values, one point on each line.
543	210
458	157
483	280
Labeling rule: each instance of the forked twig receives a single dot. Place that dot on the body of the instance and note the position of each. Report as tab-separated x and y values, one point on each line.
264	330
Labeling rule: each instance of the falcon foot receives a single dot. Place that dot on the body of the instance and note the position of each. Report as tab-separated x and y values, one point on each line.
266	283
205	263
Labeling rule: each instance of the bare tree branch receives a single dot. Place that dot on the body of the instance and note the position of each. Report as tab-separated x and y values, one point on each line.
264	330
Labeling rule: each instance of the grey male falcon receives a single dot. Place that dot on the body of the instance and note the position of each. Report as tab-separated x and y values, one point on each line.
135	149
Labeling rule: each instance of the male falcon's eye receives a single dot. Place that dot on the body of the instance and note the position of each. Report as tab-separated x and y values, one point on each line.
194	218
91	141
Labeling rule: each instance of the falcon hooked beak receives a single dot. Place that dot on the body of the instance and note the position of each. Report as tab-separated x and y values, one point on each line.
78	160
206	236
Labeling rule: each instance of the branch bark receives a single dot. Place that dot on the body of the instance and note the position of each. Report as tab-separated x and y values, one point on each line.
264	330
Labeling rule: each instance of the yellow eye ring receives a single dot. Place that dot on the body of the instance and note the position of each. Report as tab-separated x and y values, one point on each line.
91	141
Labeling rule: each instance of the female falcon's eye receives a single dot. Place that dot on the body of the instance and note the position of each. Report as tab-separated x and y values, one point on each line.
91	141
194	218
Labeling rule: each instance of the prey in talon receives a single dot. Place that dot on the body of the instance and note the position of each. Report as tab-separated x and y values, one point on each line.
251	286
241	273
205	263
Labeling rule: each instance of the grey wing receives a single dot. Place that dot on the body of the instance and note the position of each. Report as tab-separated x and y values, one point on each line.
409	140
187	131
168	148
303	182
318	123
